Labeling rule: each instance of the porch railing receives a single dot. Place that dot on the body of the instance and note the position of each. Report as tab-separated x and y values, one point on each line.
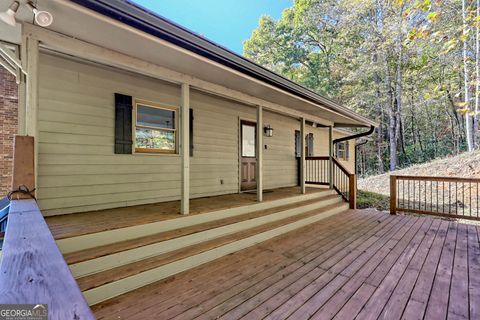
32	268
317	171
440	196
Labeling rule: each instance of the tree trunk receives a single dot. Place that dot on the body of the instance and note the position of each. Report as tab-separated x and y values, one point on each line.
468	133
379	142
392	120
477	79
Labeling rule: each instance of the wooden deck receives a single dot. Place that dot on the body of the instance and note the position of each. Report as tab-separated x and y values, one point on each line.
70	225
355	265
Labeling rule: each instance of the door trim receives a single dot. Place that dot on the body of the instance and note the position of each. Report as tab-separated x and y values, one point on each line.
239	148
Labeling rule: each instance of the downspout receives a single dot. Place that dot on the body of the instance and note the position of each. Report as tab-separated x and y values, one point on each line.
356	151
353	193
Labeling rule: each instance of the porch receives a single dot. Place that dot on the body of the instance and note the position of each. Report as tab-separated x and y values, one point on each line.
77	224
358	264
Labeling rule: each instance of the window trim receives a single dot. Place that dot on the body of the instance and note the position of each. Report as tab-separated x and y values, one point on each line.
156	105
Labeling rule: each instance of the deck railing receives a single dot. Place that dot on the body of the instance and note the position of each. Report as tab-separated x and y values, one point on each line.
317	171
32	268
441	196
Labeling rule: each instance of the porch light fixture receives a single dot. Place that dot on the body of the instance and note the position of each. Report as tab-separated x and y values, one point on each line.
42	18
268	131
8	16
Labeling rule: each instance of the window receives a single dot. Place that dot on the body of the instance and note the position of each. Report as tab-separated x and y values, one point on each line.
155	128
342	150
248	140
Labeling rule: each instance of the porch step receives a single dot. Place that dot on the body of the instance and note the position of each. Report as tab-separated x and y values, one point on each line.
93	240
97	252
113	260
111	274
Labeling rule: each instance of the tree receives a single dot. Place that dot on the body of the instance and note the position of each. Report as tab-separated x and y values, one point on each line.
408	64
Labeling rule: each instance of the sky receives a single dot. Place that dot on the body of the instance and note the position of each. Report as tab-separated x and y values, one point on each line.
226	22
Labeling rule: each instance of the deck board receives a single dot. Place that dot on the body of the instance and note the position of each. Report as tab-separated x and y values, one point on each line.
355	265
69	225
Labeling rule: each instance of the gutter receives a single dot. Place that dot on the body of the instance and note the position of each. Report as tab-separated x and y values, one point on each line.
140	18
355	136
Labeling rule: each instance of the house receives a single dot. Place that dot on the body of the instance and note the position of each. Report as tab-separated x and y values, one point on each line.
129	113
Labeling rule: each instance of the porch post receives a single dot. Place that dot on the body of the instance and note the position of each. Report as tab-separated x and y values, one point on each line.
29	124
330	155
185	149
259	171
302	153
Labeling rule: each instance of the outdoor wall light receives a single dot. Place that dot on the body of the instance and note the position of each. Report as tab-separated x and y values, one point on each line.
268	131
42	18
8	16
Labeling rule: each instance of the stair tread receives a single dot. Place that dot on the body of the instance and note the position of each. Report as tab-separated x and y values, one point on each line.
92	253
121	272
72	225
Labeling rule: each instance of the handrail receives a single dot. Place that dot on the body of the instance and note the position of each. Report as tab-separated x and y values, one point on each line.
454	197
33	270
335	161
344	182
318	158
428	178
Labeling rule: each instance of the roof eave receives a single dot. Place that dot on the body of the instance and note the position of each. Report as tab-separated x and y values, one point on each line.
142	19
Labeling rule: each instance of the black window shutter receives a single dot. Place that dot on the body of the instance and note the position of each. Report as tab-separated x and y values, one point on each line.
191	132
310	144
337	151
123	124
347	151
298	145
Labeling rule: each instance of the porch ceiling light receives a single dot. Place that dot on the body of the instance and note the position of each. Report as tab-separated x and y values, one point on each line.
268	131
8	16
42	18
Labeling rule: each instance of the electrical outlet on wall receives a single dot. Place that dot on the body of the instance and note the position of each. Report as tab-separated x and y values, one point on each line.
221	181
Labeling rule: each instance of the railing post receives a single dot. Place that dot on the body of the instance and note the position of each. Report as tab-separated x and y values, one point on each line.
393	194
23	167
352	191
330	155
302	155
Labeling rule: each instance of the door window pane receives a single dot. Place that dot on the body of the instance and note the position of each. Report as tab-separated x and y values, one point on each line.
248	141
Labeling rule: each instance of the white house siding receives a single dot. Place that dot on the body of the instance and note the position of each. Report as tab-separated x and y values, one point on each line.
78	170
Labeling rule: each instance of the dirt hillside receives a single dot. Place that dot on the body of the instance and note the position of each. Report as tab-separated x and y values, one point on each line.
466	165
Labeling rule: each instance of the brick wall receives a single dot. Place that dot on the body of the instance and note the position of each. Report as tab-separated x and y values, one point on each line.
8	127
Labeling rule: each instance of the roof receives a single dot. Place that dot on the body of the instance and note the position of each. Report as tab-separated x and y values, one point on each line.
143	19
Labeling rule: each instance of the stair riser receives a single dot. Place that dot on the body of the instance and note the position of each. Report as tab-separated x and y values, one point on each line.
125	257
88	241
116	288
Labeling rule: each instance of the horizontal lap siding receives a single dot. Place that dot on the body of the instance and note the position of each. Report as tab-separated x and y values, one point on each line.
78	170
279	162
215	151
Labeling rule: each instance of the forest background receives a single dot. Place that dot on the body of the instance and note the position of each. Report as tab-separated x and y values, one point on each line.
413	66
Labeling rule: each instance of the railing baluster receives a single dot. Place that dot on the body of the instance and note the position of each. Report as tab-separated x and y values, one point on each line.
470	193
425	196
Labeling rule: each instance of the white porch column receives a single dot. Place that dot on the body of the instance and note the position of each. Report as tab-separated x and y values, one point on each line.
185	149
330	155
259	171
302	152
28	118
